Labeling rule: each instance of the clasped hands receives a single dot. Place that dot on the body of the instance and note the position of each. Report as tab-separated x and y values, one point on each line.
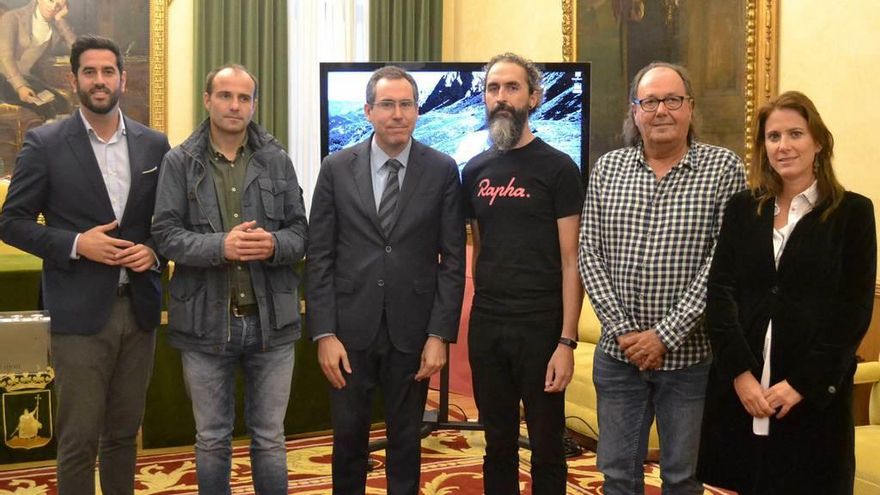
247	242
643	349
97	246
762	403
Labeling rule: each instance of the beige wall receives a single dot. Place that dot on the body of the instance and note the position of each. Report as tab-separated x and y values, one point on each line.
474	31
180	81
831	52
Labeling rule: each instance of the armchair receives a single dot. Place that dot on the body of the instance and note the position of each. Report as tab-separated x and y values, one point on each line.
867	480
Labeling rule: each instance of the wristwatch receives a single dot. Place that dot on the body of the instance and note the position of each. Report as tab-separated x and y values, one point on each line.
569	342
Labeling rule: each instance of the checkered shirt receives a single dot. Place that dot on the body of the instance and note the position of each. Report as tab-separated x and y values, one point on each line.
646	246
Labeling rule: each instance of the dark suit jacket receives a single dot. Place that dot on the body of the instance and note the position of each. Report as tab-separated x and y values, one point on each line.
820	300
57	175
353	270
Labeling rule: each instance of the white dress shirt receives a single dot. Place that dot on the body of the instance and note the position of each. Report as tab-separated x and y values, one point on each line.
113	160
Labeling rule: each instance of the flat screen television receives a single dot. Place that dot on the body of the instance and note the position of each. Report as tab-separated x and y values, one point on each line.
452	116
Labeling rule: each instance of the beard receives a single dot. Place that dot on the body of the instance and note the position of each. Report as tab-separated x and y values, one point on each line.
86	100
505	130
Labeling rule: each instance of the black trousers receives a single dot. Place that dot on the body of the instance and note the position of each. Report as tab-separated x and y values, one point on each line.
380	365
508	364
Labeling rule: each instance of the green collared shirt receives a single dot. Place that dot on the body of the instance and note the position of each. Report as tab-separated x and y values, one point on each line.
229	183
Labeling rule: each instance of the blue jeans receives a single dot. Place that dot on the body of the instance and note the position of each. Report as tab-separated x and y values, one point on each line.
628	400
210	382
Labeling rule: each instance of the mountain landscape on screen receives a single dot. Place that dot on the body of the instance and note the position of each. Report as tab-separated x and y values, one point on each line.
452	115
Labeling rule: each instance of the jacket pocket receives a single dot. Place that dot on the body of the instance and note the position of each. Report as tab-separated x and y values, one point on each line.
286	308
186	308
283	282
272	195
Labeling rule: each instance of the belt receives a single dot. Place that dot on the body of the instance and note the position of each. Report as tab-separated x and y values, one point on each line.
246	310
123	290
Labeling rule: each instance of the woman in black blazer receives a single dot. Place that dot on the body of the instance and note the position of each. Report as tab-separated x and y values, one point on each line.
792	278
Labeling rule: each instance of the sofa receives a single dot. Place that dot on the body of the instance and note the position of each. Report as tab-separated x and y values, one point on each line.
867	480
580	396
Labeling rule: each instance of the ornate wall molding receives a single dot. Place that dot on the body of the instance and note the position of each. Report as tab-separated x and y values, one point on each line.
762	60
568	32
158	64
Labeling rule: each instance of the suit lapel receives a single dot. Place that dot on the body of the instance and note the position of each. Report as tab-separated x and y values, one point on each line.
765	236
414	169
81	148
363	181
804	225
136	165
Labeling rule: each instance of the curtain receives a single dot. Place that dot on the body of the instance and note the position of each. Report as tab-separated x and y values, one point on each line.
406	30
320	31
252	33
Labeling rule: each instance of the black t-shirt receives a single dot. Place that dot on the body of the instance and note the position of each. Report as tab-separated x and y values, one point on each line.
516	196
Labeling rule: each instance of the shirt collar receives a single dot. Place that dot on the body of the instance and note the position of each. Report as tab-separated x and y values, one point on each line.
689	159
120	128
810	196
218	155
380	157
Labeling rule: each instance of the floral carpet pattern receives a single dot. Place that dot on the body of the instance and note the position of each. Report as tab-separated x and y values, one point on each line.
451	465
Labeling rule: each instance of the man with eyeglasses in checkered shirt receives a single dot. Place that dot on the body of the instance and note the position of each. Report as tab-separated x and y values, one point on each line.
650	222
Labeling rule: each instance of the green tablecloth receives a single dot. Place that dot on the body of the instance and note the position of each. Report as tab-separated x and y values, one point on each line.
19	280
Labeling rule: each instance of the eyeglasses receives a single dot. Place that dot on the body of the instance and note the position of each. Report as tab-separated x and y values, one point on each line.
390	105
651	104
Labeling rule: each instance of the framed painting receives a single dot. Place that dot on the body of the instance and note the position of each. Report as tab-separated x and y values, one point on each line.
35	38
728	46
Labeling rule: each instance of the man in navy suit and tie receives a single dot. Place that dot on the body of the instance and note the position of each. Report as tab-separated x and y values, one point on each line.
93	177
385	280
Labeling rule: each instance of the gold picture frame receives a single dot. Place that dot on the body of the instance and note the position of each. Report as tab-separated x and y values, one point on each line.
159	64
761	21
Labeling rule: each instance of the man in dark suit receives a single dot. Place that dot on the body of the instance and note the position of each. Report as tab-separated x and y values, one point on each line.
385	280
93	177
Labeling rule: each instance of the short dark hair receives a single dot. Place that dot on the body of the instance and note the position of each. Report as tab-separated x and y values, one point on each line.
209	79
533	74
390	72
631	136
92	42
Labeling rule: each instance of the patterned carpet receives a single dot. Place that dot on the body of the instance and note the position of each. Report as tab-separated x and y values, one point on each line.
451	465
